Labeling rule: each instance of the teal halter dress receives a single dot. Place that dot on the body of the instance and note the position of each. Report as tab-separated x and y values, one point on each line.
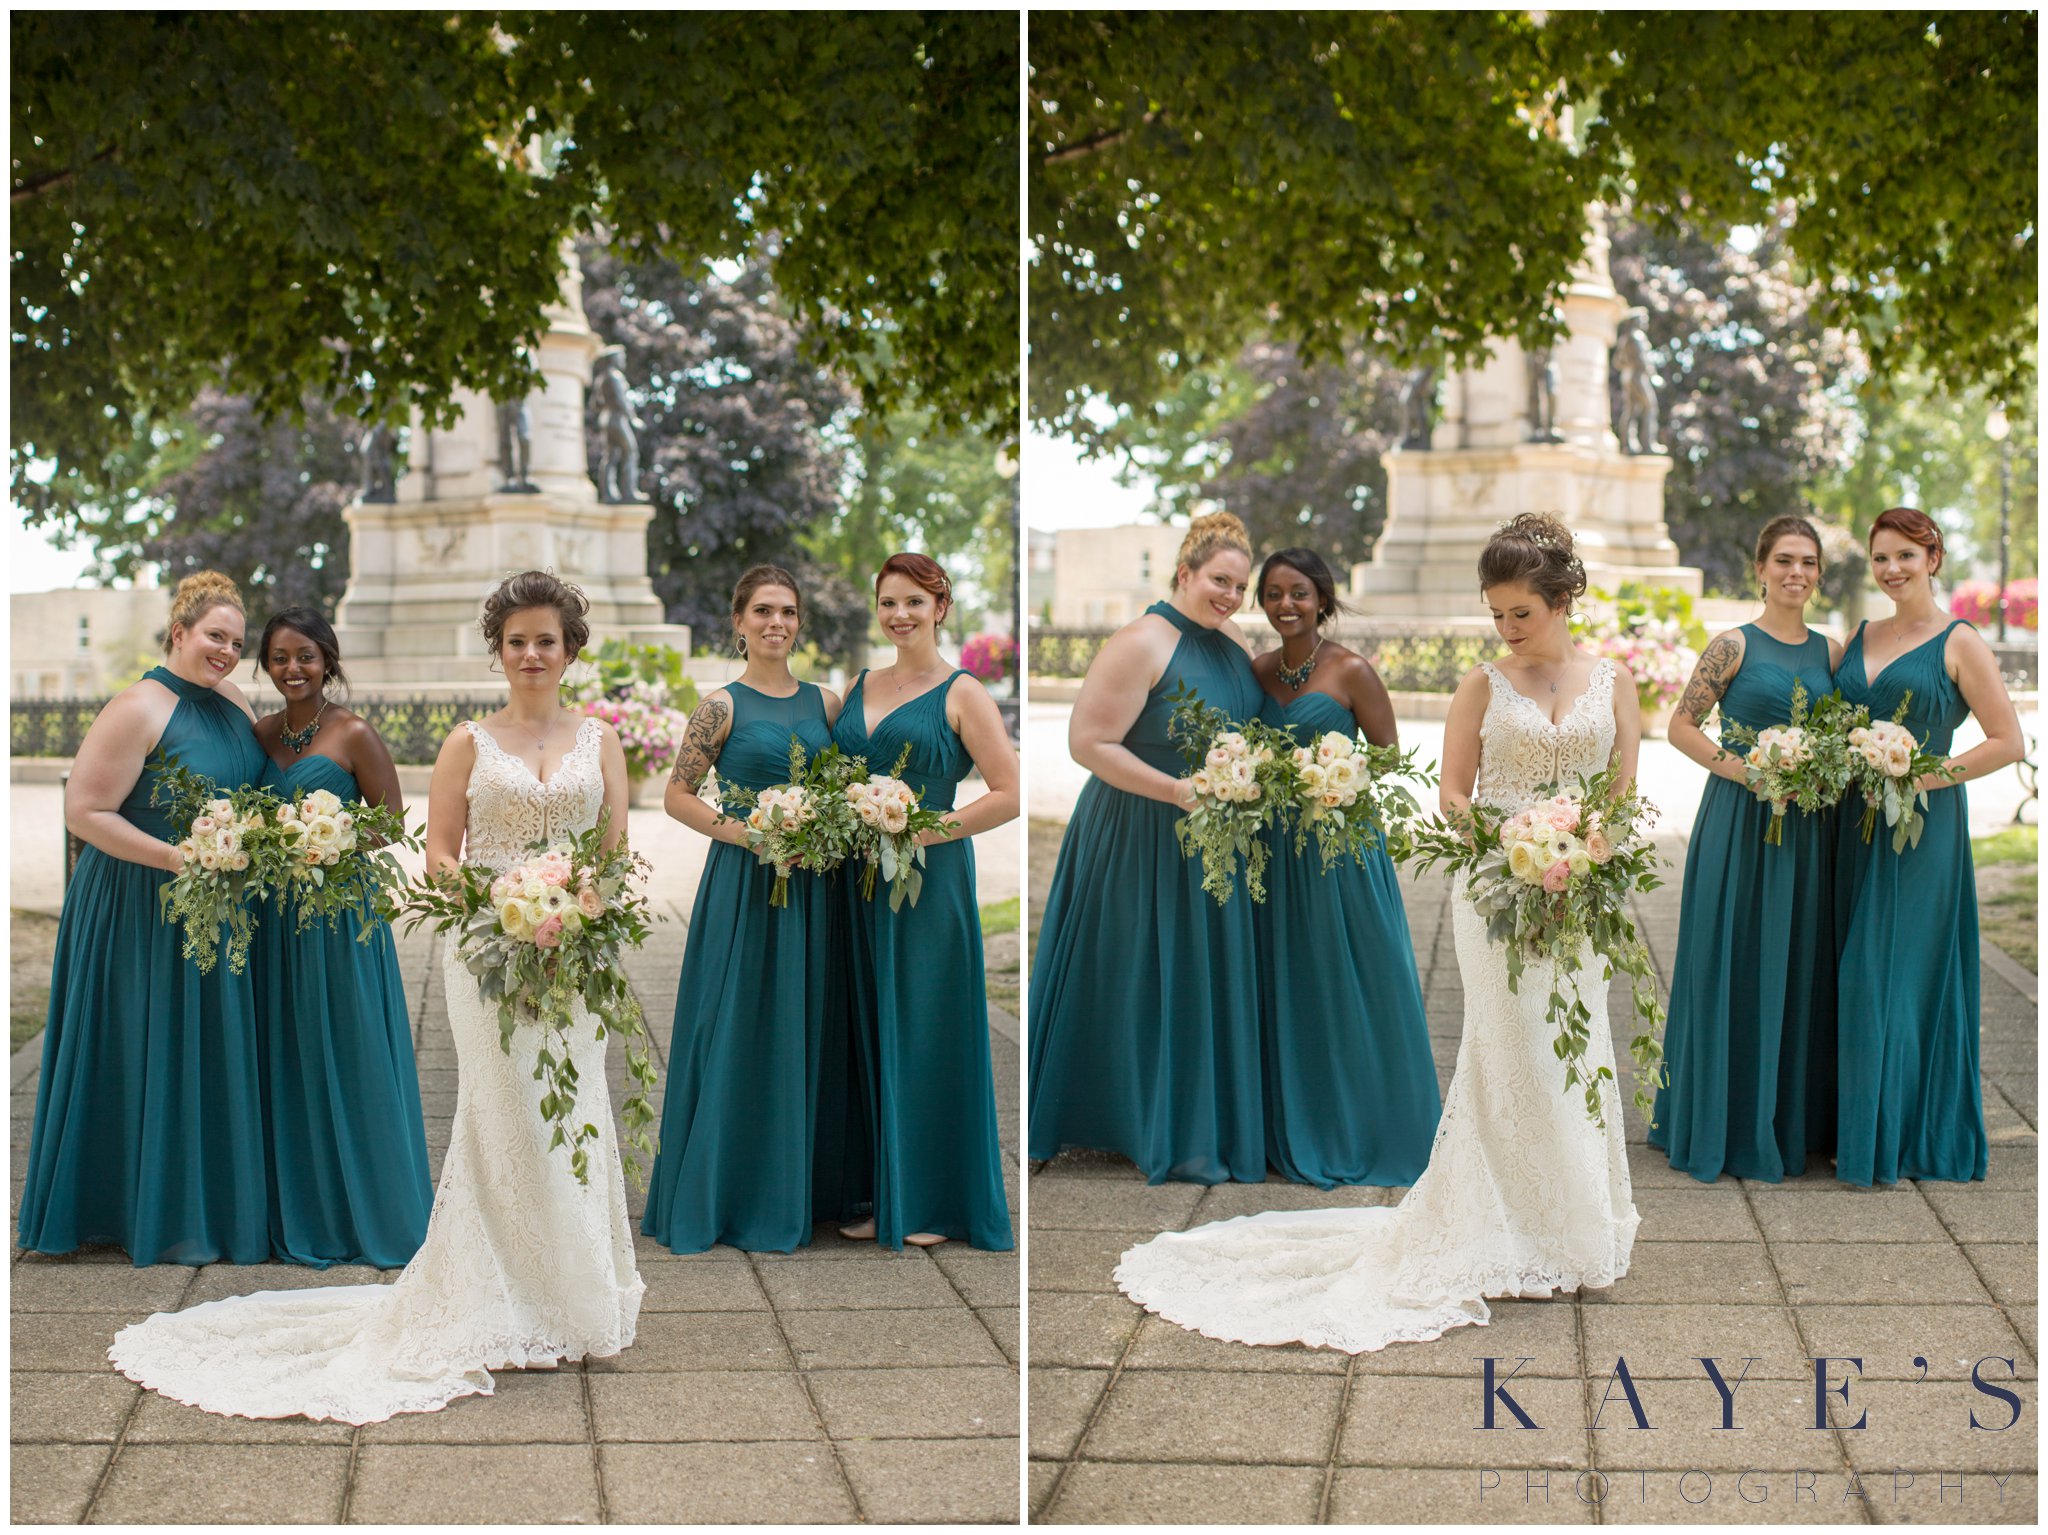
348	1149
1910	1102
1350	1087
149	1122
743	1160
1750	1041
920	1007
1145	992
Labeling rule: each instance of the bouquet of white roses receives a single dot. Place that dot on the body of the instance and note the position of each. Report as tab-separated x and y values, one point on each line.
806	823
1552	879
336	857
1344	790
539	938
1240	773
1804	762
220	835
891	819
1886	760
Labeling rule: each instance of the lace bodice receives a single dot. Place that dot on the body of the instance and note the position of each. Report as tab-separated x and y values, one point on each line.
510	809
1520	750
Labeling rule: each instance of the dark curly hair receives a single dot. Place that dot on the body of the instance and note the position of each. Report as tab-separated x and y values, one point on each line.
1535	550
537	589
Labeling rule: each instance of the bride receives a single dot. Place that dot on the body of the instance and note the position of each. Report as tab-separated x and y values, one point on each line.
1523	1195
522	1264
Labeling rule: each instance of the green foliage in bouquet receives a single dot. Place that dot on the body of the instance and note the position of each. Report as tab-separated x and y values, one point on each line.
1804	762
892	849
806	822
225	869
1239	772
1385	812
354	882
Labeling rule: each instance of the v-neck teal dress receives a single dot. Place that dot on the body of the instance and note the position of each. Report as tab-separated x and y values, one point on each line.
1350	1087
149	1122
1750	1044
1144	991
742	1160
348	1148
920	1006
1910	1102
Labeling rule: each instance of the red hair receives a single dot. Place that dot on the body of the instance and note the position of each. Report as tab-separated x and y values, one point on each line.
1914	526
922	569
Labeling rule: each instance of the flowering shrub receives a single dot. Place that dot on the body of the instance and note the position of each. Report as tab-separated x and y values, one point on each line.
1977	601
1650	630
989	657
648	728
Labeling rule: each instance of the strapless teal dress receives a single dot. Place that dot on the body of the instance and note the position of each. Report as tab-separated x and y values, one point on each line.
1910	1102
920	1008
149	1125
1145	992
1350	1087
742	1159
348	1150
1750	1043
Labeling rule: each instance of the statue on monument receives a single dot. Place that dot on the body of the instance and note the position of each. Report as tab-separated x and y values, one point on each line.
619	472
380	477
515	445
1418	407
1541	366
1639	385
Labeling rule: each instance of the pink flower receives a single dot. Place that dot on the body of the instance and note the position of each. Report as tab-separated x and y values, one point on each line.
1557	876
556	874
1598	848
589	902
549	934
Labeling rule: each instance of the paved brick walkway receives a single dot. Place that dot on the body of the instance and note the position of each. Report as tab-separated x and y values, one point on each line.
1135	1420
841	1384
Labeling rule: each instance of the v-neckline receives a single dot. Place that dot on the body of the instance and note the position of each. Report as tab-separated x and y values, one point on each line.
1863	655
1537	703
575	746
869	730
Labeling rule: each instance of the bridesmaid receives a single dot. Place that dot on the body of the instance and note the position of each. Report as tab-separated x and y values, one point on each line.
743	1159
348	1150
1750	1044
1144	995
1340	1014
1911	1104
915	974
149	1129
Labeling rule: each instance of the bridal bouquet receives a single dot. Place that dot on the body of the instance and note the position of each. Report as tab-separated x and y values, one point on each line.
1342	788
539	938
1551	880
806	823
891	819
220	834
1804	762
1241	774
334	857
1885	761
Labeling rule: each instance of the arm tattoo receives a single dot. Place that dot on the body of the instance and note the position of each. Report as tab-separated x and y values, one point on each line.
1710	678
700	744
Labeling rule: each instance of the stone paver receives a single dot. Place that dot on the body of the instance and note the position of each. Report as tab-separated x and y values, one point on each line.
842	1384
1134	1420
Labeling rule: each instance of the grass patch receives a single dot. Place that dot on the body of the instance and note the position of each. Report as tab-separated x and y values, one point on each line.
999	917
2008	891
33	946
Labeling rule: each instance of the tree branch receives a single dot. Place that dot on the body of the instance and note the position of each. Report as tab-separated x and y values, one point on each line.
1095	141
40	184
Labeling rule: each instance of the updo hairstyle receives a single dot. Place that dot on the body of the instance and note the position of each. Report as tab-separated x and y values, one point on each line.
1789	527
1208	535
1911	523
537	589
1536	551
198	595
926	572
305	621
766	575
1310	564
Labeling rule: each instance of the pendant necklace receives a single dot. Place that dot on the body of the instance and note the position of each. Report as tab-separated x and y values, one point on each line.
900	686
1560	673
1295	676
299	740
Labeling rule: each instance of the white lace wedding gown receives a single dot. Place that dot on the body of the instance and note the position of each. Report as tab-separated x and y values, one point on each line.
1523	1194
522	1265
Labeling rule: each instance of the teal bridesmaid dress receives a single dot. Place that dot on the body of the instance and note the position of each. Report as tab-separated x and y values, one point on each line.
348	1149
149	1125
1750	1041
1910	1102
1350	1087
759	1053
920	1009
1144	991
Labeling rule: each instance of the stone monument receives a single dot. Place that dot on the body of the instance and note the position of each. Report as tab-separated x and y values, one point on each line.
421	563
1522	433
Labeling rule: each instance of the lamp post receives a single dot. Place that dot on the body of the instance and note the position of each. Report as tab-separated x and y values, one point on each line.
1999	430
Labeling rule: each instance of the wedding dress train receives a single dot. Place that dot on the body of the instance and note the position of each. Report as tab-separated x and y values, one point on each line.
1523	1195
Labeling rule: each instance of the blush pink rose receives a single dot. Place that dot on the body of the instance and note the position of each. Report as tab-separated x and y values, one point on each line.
549	934
1557	876
1598	848
589	902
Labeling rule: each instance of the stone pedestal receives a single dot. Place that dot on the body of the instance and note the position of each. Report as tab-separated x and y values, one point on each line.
420	566
1444	503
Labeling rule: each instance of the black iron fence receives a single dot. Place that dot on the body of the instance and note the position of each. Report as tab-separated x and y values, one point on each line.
413	728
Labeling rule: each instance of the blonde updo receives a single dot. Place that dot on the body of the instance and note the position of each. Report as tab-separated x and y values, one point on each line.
1535	550
198	595
1209	535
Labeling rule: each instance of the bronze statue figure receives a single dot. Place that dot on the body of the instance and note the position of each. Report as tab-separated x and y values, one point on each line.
515	445
619	472
1639	385
1542	372
1418	407
380	476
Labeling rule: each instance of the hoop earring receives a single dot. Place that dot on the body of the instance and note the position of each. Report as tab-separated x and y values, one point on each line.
739	645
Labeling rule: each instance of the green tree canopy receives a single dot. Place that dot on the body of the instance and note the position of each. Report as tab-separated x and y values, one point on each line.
1419	180
370	206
